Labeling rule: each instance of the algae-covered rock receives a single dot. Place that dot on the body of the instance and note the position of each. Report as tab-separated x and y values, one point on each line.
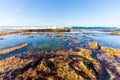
94	45
111	52
65	72
59	65
5	51
63	38
90	73
74	40
43	67
116	33
13	63
87	55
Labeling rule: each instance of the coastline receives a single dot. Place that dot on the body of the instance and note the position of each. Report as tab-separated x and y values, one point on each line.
67	55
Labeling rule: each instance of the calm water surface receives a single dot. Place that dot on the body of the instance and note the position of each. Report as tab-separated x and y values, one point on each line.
41	41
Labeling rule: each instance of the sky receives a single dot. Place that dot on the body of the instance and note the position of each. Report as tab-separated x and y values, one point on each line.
59	12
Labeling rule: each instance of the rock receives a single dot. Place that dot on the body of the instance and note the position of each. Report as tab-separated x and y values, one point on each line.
84	51
111	52
85	69
26	32
9	32
5	51
13	63
1	38
87	55
63	38
64	71
116	33
30	36
43	67
59	65
74	40
94	45
111	65
51	59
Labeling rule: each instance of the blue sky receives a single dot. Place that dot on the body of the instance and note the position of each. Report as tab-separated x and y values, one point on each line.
60	12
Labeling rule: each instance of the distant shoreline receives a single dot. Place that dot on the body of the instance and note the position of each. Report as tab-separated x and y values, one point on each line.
28	31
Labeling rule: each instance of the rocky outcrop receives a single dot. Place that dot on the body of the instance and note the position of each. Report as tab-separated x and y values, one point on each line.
111	52
5	51
116	33
94	45
63	38
87	55
8	32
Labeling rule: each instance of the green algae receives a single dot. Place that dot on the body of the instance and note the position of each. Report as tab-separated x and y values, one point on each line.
46	47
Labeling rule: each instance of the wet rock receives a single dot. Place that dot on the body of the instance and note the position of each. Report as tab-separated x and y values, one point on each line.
111	52
59	65
25	32
63	38
111	65
86	70
8	32
31	74
65	72
30	36
94	45
12	63
1	38
116	33
74	40
51	59
87	55
5	51
43	67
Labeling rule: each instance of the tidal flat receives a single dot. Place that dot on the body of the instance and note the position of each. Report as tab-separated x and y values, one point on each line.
60	54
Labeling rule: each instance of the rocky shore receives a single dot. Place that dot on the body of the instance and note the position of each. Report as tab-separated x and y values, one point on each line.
89	61
62	65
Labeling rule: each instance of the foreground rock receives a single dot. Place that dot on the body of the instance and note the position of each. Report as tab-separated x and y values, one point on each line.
59	65
5	51
12	63
94	45
87	55
111	52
